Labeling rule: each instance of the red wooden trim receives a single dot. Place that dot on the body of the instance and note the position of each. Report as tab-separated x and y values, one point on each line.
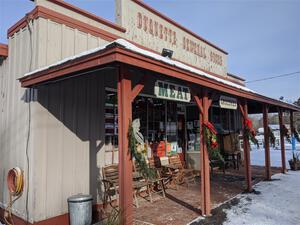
139	87
136	90
267	143
211	98
199	103
68	68
46	13
242	109
204	162
22	22
88	14
40	11
147	7
43	12
118	54
125	162
150	64
282	145
3	50
57	220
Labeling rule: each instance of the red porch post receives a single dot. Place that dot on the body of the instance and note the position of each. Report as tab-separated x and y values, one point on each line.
244	111
125	162
126	95
203	105
283	169
267	142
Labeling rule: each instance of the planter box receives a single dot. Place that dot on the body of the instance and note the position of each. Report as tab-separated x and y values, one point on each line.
294	165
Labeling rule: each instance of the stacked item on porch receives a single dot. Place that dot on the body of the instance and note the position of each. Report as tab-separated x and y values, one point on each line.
159	149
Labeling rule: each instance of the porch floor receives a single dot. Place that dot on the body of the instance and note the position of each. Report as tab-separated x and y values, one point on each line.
183	205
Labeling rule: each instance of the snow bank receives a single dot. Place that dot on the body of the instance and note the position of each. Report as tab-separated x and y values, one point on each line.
258	156
278	203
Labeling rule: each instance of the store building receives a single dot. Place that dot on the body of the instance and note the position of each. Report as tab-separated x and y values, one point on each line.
71	82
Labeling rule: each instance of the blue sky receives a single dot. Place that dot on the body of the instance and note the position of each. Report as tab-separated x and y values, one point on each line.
262	37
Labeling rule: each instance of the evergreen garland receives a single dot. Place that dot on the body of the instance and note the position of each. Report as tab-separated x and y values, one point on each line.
271	136
249	132
210	139
138	153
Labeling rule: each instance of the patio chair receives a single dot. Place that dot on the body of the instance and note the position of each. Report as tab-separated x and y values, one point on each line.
232	151
180	174
111	185
155	184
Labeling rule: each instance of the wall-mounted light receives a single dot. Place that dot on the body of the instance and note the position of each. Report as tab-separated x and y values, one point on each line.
167	53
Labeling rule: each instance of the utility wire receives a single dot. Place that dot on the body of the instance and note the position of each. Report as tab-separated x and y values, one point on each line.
274	77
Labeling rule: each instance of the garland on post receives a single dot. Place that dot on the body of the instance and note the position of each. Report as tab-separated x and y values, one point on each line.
210	138
296	134
138	152
271	136
249	132
286	133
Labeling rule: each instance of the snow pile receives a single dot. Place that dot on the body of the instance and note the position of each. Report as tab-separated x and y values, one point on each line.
277	203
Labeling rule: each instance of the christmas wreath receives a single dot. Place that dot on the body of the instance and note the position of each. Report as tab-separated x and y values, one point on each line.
138	150
296	134
210	137
286	133
249	132
271	136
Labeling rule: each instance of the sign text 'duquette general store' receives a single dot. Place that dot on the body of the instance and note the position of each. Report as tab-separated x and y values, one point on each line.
153	31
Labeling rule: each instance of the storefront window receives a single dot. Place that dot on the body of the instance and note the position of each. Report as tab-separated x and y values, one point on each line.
111	121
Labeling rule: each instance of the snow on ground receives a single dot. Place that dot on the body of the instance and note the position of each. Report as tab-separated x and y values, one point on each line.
277	203
258	156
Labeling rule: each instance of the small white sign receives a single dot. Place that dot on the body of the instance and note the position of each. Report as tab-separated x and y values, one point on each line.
170	91
227	102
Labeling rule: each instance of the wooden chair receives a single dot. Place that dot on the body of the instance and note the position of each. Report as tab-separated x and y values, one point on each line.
232	151
155	184
179	173
111	185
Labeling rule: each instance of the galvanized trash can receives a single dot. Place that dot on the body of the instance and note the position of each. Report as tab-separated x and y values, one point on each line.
80	209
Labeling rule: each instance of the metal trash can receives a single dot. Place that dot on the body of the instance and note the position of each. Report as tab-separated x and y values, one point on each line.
80	209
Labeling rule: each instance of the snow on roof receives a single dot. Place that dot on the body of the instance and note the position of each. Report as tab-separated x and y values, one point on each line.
134	48
180	65
147	53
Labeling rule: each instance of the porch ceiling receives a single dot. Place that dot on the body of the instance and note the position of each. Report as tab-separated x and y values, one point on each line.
121	51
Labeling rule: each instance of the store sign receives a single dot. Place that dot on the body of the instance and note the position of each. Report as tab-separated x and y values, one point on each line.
155	31
170	91
227	102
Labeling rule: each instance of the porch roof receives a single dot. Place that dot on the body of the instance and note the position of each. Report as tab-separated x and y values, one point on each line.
123	51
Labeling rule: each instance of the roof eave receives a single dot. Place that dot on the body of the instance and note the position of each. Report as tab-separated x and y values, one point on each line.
116	53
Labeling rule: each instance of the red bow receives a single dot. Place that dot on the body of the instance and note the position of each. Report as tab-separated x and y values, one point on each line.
210	127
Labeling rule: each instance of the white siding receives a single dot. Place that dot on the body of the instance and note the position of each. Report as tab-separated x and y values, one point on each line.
14	114
66	146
